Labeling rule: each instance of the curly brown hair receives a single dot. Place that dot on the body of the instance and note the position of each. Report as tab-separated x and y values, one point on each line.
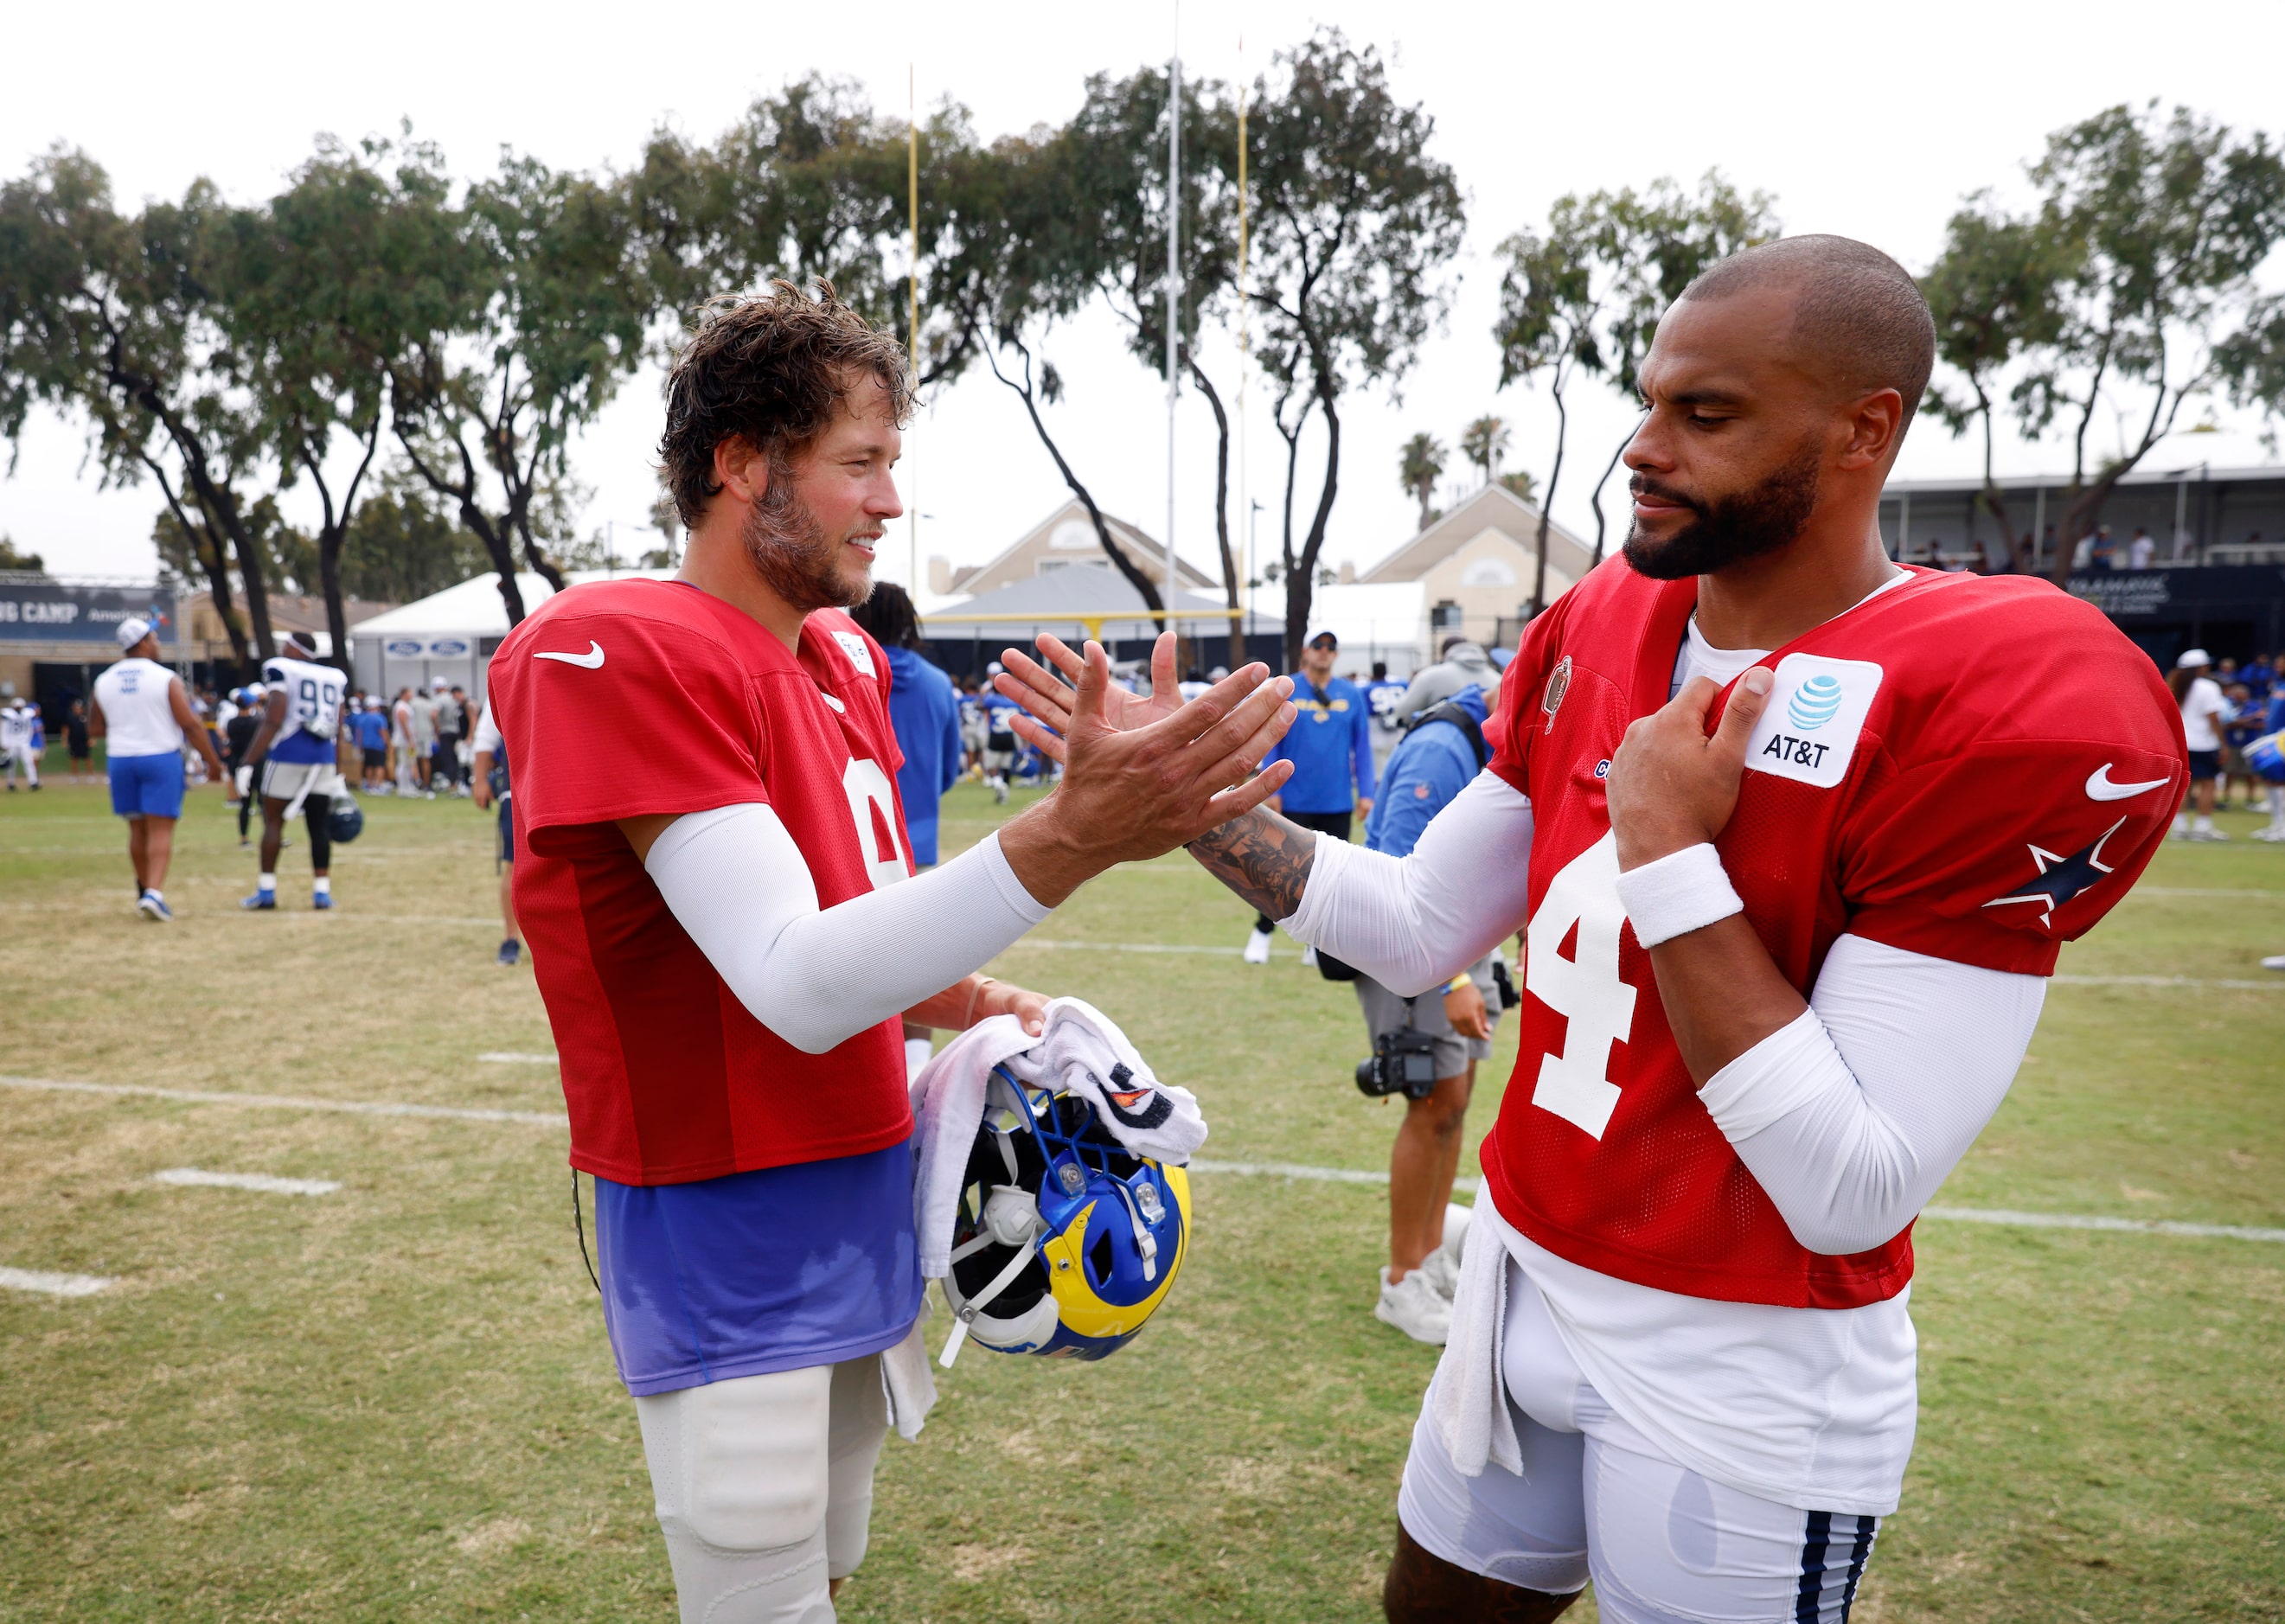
770	369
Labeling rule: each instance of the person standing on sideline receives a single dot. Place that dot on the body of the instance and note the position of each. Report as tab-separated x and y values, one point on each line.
237	738
372	745
726	928
292	766
1381	696
1330	748
144	716
17	720
1439	757
924	709
400	742
2142	551
999	745
452	724
2204	713
490	770
76	741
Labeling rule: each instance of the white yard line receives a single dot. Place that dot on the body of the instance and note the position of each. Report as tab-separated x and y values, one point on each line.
2278	985
264	1183
516	1057
1271	1169
54	1285
277	1102
1229	952
2195	890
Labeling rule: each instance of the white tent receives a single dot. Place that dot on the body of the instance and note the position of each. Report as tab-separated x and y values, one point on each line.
451	634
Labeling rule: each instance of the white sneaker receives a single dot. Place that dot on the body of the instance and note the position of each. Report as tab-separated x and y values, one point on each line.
1442	1266
1441	1272
2277	962
1413	1306
1308	958
1256	947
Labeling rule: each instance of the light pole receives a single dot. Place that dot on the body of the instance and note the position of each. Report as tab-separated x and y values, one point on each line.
1173	287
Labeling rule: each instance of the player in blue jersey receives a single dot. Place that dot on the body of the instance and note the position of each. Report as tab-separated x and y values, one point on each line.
291	759
1330	747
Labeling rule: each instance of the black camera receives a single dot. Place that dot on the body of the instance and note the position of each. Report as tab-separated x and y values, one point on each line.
1508	996
1403	1062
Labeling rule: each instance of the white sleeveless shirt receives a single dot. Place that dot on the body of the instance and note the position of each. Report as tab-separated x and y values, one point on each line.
138	719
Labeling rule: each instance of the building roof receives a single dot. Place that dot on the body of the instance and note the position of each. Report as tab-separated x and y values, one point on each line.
2171	472
1492	507
1146	549
1057	600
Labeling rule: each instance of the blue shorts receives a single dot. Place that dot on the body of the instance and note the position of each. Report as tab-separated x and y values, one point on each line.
147	786
2205	765
777	1269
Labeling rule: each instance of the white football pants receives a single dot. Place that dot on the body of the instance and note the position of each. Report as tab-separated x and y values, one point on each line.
764	1485
1597	1499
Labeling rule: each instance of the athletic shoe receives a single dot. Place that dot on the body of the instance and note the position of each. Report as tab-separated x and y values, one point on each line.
2276	963
2208	834
998	791
321	900
264	902
510	952
155	908
1442	1266
1413	1306
1256	947
1308	958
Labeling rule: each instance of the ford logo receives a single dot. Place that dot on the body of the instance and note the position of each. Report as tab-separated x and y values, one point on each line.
448	648
402	648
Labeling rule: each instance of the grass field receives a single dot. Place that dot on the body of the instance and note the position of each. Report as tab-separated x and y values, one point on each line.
395	1401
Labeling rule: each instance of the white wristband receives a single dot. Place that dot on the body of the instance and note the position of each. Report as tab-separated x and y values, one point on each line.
1683	891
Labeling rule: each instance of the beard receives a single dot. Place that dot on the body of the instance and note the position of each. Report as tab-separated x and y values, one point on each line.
1726	530
790	551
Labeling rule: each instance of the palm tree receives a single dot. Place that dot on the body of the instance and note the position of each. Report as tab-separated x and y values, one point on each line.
1484	443
1522	484
1419	465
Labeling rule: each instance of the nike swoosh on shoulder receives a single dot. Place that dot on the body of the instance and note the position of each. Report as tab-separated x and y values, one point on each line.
593	659
2098	787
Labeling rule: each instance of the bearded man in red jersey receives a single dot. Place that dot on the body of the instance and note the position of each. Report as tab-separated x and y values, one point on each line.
716	884
1794	835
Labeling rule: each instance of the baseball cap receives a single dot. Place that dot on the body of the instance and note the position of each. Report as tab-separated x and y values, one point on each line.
132	630
1325	633
994	669
2193	659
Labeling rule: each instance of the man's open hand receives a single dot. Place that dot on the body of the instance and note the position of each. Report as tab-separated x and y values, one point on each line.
1671	786
1040	691
1140	778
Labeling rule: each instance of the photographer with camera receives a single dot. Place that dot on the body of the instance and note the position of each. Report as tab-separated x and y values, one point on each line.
1426	1047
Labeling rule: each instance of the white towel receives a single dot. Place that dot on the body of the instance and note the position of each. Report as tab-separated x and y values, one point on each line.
1082	1051
947	1109
1469	1396
908	1384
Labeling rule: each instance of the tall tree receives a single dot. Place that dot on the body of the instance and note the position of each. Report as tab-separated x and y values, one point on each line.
329	295
1116	151
1549	304
540	302
1354	224
1993	291
2170	220
120	319
1484	443
1419	465
1650	245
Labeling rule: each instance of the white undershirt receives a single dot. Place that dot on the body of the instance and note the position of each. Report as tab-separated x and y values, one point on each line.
1835	1115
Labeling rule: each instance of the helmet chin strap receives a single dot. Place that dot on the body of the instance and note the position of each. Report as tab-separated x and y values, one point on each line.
965	1314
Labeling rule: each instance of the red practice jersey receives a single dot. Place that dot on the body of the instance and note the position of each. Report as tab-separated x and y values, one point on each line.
625	698
1971	768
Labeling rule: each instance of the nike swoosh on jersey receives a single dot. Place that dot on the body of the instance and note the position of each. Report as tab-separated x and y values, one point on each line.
2098	787
592	660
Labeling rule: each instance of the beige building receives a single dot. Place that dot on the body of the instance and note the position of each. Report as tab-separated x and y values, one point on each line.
1475	566
1065	539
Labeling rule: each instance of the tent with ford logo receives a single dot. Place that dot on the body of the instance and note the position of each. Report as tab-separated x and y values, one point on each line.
450	634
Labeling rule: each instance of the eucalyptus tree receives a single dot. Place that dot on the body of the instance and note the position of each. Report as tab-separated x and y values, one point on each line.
2168	222
1354	224
537	310
119	320
1995	292
1549	302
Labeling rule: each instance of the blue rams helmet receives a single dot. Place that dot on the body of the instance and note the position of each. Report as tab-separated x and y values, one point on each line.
346	821
1065	1242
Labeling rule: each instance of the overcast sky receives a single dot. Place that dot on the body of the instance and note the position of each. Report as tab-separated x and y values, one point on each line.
1869	121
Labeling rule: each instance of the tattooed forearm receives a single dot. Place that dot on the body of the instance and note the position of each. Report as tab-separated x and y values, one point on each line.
1261	857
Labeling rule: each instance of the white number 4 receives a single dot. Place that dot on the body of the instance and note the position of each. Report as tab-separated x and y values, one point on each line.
1585	988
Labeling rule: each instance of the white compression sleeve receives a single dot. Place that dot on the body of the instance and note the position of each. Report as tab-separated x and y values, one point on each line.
817	977
1410	922
1852	1115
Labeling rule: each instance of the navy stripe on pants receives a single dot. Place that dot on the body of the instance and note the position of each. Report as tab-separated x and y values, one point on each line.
1821	1561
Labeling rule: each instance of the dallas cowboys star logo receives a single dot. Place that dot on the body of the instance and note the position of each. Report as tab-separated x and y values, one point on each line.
2059	878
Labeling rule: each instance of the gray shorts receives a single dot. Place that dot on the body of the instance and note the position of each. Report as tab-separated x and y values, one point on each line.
1384	1011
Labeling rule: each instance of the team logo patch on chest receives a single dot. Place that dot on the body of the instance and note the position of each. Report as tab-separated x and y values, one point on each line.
1814	715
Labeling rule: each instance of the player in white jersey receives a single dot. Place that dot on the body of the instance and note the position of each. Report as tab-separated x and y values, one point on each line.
18	720
144	716
294	765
